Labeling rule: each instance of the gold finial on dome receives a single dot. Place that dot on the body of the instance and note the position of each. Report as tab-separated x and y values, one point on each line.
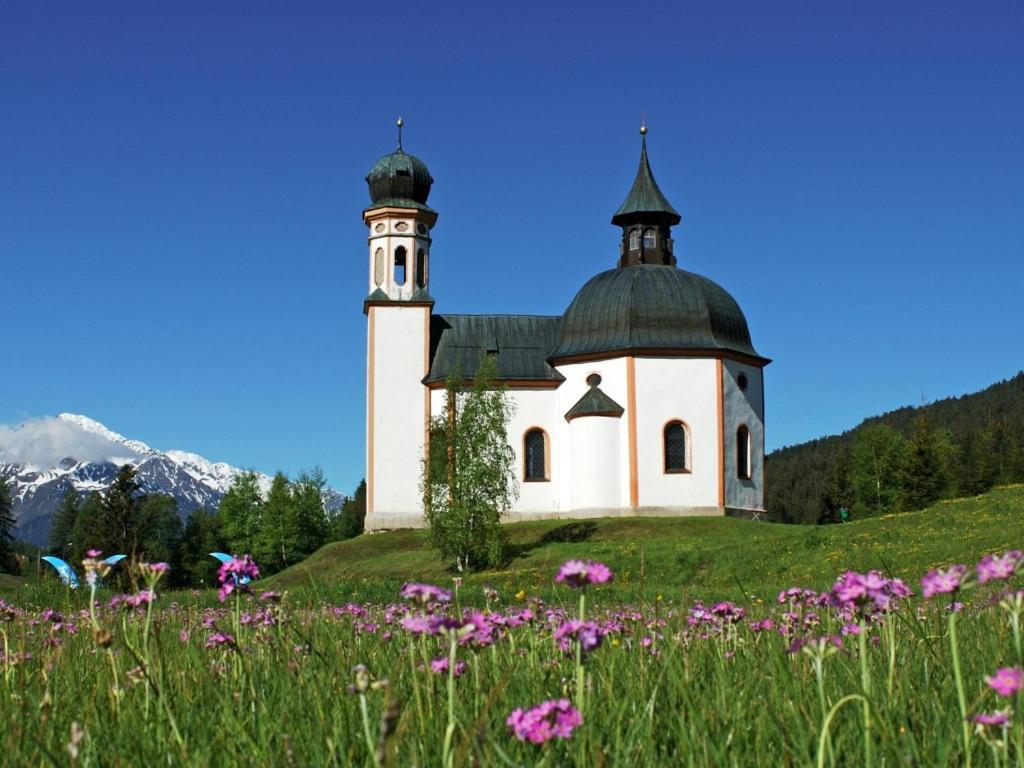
399	122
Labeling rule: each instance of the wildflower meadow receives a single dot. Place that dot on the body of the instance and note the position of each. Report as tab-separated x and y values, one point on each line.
875	671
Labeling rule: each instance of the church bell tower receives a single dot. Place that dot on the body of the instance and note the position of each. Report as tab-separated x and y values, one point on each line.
398	309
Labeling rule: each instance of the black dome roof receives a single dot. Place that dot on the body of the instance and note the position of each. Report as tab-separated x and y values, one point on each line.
399	180
651	307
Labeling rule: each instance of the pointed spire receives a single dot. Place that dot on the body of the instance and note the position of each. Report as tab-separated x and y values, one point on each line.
645	200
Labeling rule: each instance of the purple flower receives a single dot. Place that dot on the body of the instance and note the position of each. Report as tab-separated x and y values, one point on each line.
440	666
576	573
270	597
999	566
421	625
218	639
235	574
425	593
554	719
991	718
943	581
155	569
1006	681
586	633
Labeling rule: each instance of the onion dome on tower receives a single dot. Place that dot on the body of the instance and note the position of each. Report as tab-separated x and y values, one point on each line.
399	180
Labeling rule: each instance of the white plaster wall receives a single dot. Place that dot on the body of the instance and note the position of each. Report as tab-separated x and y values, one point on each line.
744	407
593	446
536	408
614	455
684	389
398	409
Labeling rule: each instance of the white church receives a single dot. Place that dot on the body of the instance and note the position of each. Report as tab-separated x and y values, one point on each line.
645	397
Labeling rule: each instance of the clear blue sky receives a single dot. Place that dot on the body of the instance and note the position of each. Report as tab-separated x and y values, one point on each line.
183	257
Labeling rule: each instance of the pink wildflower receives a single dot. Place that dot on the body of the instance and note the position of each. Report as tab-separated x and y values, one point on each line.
991	718
586	633
999	566
440	666
943	581
425	593
576	573
236	574
1006	681
218	639
554	719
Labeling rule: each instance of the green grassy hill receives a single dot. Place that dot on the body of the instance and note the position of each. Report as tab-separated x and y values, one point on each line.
681	558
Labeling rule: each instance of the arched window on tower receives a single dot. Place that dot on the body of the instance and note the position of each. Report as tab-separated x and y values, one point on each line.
380	267
743	452
421	268
650	239
634	239
400	265
535	455
676	447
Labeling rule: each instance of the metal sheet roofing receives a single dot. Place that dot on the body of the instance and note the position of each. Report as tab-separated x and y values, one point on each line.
519	345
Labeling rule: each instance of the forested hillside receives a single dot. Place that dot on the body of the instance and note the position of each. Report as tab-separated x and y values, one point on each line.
903	460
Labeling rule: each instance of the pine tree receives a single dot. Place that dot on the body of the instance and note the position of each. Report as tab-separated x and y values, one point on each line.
240	514
349	523
8	562
89	531
201	535
838	494
922	480
468	479
120	505
63	526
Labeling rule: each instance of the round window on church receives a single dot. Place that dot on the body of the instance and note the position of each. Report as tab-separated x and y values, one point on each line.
421	228
379	228
741	380
401	226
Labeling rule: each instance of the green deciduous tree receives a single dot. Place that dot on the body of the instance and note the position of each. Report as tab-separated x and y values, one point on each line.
876	463
240	514
276	540
308	516
468	479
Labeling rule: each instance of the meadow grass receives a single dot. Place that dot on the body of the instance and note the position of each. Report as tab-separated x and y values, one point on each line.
187	680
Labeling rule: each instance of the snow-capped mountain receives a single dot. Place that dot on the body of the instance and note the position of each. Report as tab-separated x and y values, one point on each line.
43	459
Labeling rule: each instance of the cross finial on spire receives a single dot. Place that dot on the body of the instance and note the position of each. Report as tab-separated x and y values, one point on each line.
399	123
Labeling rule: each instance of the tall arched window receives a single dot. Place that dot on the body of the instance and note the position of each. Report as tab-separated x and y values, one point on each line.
400	265
677	454
650	238
743	452
421	268
634	239
535	453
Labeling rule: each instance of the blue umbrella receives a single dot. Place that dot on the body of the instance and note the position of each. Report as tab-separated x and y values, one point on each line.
67	575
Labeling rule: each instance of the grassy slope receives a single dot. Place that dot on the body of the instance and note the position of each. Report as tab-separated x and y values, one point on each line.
704	557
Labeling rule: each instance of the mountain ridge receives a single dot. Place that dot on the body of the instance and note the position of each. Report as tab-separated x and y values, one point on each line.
37	459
